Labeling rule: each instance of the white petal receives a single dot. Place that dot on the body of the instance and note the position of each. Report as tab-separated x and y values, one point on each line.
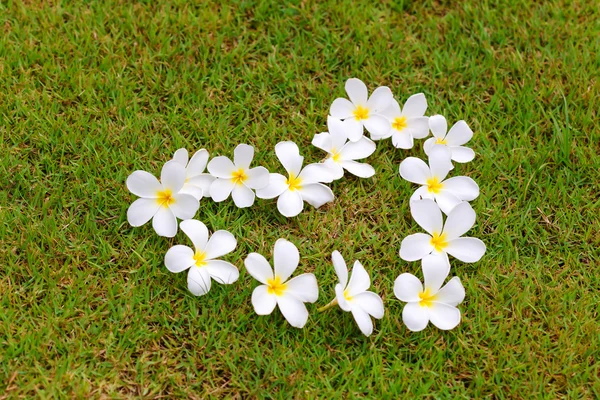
338	132
462	187
462	154
323	140
407	287
418	127
172	176
459	134
289	156
258	267
354	129
402	140
198	281
459	221
290	203
466	249
358	150
179	258
339	295
203	181
428	144
197	164
435	270
164	222
392	111
277	185
184	206
453	293
316	194
340	268
192	190
341	108
258	178
357	91
363	320
415	317
415	170
428	215
377	125
362	170
440	161
263	302
336	171
415	106
304	287
196	231
359	280
421	193
444	316
315	173
221	167
220	243
285	258
447	201
181	157
415	247
143	184
293	310
243	155
438	126
242	196
222	271
380	99
371	303
221	188
141	211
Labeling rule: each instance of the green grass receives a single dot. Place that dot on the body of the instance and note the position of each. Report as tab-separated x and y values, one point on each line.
91	91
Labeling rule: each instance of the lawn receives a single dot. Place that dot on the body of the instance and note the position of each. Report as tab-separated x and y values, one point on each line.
91	91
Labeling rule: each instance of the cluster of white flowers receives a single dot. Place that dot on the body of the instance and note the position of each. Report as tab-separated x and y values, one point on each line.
184	183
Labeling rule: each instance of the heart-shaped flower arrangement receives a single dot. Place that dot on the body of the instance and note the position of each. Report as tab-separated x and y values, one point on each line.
184	182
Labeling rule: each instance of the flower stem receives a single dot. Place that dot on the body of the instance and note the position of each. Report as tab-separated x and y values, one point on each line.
333	302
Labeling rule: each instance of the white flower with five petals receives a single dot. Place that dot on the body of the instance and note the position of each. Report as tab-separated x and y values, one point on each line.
237	178
343	154
408	123
442	238
197	182
447	193
201	262
363	111
430	302
301	184
459	134
160	201
276	289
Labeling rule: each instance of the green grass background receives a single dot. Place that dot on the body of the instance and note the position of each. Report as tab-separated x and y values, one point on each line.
91	91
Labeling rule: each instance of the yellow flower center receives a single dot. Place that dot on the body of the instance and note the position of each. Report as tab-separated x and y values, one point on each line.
239	176
200	258
274	286
335	155
165	198
440	141
294	182
361	112
434	185
399	123
347	295
439	241
427	298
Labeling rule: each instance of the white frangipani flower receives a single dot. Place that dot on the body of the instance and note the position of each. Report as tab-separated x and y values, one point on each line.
363	111
442	238
290	295
160	201
300	185
201	262
237	178
459	134
408	123
197	182
432	302
353	296
342	154
447	193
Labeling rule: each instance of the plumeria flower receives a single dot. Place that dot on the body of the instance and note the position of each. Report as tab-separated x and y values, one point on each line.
408	123
430	302
202	262
276	289
300	185
160	201
342	154
447	193
237	178
459	134
363	111
442	238
353	296
197	182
